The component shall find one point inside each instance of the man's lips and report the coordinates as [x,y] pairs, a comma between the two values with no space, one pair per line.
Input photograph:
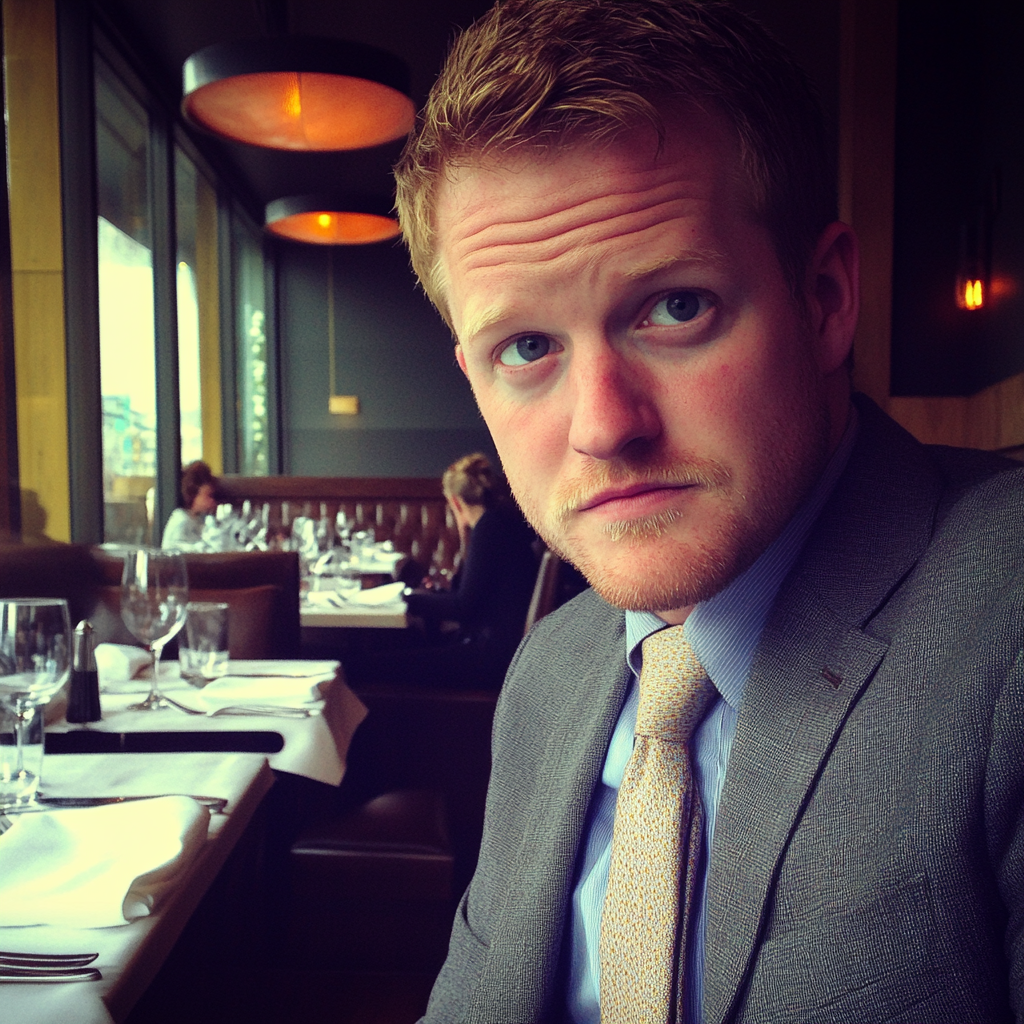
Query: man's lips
[632,498]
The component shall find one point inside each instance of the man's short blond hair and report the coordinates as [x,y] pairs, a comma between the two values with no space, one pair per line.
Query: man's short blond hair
[543,72]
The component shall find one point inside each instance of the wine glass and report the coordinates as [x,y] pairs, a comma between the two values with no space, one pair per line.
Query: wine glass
[154,596]
[35,662]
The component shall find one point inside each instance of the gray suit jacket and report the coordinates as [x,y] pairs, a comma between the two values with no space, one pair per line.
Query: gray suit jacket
[868,862]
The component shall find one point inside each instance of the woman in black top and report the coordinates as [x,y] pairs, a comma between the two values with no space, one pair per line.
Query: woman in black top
[488,598]
[491,591]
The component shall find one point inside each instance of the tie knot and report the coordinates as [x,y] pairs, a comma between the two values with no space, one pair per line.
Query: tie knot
[675,691]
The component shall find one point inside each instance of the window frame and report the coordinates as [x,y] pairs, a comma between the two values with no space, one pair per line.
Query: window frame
[83,33]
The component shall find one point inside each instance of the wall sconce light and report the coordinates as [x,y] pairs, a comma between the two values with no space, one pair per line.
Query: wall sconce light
[337,405]
[974,270]
[970,293]
[332,220]
[298,93]
[972,276]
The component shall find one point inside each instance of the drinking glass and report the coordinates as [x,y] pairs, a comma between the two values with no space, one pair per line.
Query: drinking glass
[154,596]
[35,662]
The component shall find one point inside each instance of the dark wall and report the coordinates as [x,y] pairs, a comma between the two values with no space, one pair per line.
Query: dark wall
[393,351]
[959,185]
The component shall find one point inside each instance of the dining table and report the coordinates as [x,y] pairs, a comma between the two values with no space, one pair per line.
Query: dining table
[379,607]
[354,616]
[130,954]
[313,742]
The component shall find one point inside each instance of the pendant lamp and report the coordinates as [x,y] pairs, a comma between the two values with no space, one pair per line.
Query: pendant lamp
[324,219]
[298,93]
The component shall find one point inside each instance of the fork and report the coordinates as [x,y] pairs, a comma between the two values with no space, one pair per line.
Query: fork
[44,960]
[48,967]
[270,710]
[41,975]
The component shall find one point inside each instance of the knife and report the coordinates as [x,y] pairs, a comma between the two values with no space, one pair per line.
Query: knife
[216,804]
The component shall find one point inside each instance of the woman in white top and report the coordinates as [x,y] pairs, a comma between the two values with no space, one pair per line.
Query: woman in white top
[184,529]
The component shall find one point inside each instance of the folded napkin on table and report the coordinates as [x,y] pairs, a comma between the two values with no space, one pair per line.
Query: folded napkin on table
[96,867]
[118,664]
[280,690]
[387,594]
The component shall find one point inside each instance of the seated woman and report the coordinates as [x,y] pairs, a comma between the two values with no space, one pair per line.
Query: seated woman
[488,598]
[184,529]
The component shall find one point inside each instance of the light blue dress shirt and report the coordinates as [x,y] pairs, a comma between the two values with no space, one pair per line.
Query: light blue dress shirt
[723,632]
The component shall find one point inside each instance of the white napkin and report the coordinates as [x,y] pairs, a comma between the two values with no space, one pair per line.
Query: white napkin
[324,599]
[389,593]
[377,559]
[118,664]
[281,690]
[326,669]
[96,867]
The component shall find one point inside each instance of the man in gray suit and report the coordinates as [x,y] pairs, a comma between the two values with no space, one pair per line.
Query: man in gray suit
[624,210]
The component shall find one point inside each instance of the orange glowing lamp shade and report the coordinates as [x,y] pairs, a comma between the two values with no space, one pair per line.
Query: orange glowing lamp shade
[298,94]
[320,220]
[970,293]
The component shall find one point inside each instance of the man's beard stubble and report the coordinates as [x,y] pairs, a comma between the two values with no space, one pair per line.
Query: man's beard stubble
[697,568]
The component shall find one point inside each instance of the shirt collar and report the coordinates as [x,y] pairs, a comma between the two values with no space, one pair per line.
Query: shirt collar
[723,630]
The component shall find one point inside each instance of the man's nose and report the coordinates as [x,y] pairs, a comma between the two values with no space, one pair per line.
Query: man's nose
[611,407]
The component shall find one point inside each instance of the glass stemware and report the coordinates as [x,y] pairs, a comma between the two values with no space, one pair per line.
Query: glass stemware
[35,662]
[154,596]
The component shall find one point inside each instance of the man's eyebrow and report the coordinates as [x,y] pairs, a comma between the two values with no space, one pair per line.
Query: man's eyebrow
[706,257]
[483,321]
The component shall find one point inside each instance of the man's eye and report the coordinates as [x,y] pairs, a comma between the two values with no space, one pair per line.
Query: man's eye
[526,349]
[677,308]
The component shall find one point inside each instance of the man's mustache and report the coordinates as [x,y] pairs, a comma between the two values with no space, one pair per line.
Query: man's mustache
[659,471]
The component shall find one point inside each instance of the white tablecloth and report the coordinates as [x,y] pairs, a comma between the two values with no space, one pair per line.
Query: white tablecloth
[355,616]
[315,747]
[122,958]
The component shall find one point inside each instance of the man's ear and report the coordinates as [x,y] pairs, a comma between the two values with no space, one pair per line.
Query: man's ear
[460,358]
[833,294]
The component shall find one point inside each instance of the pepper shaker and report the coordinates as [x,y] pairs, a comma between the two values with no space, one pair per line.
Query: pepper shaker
[84,697]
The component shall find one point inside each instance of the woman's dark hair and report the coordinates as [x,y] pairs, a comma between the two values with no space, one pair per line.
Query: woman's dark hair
[194,476]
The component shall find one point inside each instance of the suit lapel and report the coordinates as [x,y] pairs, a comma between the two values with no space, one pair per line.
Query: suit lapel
[814,660]
[578,720]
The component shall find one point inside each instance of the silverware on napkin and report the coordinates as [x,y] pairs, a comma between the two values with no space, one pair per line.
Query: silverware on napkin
[48,974]
[256,710]
[47,967]
[216,804]
[46,959]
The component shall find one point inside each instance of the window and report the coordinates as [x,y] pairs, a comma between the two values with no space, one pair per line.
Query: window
[252,351]
[184,344]
[127,331]
[198,325]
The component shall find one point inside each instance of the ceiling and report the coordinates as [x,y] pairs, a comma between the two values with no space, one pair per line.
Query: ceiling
[163,33]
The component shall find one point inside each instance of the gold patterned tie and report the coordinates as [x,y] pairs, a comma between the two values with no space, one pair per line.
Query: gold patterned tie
[656,842]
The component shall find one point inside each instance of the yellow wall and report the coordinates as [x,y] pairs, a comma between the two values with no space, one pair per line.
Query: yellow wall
[30,58]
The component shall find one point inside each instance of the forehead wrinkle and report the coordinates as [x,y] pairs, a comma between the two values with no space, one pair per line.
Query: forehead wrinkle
[559,242]
[572,200]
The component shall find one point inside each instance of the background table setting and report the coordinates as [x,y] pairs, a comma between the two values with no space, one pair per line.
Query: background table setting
[306,702]
[379,607]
